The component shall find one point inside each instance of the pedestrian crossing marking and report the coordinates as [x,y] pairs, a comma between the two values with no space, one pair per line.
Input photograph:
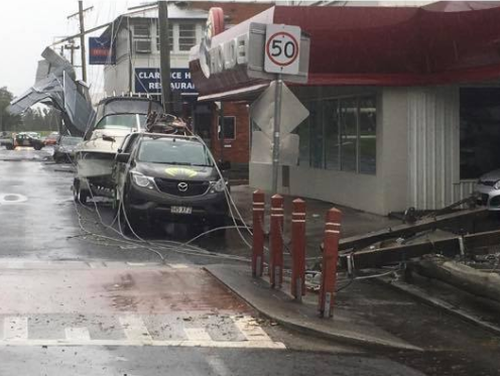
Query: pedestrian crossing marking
[250,328]
[15,328]
[156,343]
[178,266]
[197,334]
[77,334]
[135,329]
[134,332]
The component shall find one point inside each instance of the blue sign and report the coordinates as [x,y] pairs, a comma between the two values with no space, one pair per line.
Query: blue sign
[148,80]
[101,52]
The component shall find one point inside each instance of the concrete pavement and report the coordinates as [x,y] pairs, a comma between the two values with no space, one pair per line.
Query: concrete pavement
[346,327]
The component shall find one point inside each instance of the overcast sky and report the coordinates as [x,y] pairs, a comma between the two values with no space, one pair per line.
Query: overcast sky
[28,26]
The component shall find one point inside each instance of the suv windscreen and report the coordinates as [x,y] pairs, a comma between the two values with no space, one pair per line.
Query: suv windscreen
[122,121]
[174,152]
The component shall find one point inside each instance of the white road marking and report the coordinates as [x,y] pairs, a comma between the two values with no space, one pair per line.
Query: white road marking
[159,343]
[15,264]
[178,266]
[250,328]
[77,334]
[197,334]
[15,328]
[135,329]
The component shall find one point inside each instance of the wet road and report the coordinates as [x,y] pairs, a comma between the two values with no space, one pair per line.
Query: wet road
[78,299]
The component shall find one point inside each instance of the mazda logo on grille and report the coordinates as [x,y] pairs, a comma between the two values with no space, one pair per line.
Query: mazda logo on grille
[182,187]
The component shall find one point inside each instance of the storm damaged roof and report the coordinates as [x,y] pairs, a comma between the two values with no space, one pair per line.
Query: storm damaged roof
[56,86]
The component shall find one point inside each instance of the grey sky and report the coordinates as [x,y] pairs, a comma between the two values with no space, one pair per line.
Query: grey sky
[28,26]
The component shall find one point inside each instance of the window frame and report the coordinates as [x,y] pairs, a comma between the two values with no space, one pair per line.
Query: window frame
[219,130]
[322,116]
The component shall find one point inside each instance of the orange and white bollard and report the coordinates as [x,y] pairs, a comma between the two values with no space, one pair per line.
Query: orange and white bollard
[258,233]
[276,240]
[298,285]
[330,258]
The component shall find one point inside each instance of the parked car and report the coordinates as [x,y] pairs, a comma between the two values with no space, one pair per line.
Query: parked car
[28,139]
[64,150]
[487,190]
[51,139]
[168,178]
[7,140]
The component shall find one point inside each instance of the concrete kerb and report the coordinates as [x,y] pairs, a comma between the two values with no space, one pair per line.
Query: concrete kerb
[368,342]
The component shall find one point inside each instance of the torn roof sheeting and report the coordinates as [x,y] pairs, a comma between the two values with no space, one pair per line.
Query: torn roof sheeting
[55,83]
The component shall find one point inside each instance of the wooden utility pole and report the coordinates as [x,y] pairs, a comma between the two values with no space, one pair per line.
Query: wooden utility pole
[80,15]
[165,56]
[71,46]
[82,40]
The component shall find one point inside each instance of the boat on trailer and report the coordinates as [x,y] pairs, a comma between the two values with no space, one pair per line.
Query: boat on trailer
[94,157]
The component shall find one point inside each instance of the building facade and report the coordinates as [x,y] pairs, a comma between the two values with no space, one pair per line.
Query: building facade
[136,70]
[403,104]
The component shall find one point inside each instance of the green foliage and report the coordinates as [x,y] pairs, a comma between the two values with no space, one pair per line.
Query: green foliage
[40,119]
[35,119]
[8,122]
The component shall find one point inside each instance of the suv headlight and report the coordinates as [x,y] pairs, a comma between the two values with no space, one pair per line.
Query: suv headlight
[141,180]
[219,185]
[497,185]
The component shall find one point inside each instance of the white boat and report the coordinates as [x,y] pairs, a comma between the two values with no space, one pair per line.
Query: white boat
[116,118]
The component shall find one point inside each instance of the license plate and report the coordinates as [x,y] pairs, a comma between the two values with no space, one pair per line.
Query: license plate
[181,210]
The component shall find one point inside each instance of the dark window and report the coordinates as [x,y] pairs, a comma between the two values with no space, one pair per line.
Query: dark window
[340,134]
[187,36]
[479,131]
[229,128]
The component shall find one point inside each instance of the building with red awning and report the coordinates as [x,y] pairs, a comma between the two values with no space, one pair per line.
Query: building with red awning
[404,102]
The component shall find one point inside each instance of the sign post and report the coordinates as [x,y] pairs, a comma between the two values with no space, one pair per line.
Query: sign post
[282,51]
[276,134]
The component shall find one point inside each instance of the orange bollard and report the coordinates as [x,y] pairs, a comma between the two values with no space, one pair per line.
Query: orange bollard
[258,233]
[330,258]
[276,240]
[298,285]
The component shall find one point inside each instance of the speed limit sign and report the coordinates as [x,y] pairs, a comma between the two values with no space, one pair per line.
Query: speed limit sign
[282,49]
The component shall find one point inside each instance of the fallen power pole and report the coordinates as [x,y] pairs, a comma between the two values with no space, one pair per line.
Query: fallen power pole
[406,230]
[476,282]
[452,246]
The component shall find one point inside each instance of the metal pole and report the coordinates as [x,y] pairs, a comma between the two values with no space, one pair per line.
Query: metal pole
[276,133]
[165,56]
[222,131]
[82,40]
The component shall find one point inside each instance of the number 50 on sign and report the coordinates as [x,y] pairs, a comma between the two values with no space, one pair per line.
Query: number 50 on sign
[282,49]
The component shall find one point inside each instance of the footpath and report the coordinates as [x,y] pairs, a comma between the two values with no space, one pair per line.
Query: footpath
[366,312]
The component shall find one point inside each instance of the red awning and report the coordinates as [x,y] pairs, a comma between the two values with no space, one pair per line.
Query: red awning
[394,46]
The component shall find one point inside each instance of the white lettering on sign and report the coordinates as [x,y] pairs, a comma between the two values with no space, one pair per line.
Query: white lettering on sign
[224,56]
[282,49]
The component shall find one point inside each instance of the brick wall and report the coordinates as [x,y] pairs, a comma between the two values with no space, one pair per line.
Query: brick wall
[237,150]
